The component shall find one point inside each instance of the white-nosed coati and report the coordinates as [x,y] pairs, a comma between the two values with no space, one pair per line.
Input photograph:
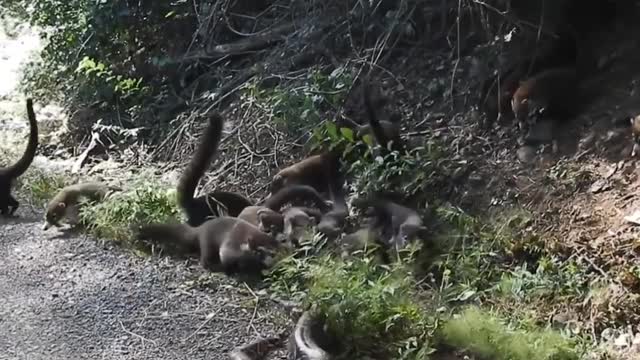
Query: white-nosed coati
[309,171]
[8,204]
[199,209]
[233,244]
[295,222]
[66,202]
[382,137]
[398,224]
[276,201]
[552,94]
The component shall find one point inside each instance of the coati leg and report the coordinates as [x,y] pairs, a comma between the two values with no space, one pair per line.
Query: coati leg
[8,204]
[199,209]
[66,202]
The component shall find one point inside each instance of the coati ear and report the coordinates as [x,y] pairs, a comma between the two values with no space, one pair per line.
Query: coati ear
[61,205]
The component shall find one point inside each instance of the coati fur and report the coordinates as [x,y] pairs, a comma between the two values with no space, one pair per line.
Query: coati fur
[382,137]
[552,94]
[333,222]
[399,224]
[295,222]
[9,204]
[215,203]
[311,340]
[309,171]
[229,243]
[635,134]
[66,201]
[276,201]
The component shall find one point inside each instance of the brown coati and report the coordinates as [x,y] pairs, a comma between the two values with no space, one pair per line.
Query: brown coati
[382,137]
[227,243]
[398,224]
[215,203]
[259,348]
[552,94]
[296,220]
[310,171]
[276,201]
[66,201]
[8,204]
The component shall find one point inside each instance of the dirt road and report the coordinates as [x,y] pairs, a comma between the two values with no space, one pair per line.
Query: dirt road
[71,298]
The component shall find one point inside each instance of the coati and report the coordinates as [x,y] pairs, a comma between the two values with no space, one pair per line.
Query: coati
[8,204]
[552,94]
[295,222]
[66,202]
[199,209]
[309,171]
[635,134]
[382,137]
[276,201]
[311,340]
[259,348]
[233,244]
[399,224]
[364,239]
[332,223]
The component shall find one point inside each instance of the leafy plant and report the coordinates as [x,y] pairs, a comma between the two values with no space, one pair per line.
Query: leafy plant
[114,217]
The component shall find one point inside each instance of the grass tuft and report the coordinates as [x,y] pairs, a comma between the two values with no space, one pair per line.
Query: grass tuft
[485,335]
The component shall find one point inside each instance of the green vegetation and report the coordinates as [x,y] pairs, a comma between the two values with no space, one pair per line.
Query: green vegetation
[142,203]
[485,335]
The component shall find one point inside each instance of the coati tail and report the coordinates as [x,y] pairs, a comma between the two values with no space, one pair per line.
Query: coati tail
[204,153]
[22,165]
[179,234]
[376,128]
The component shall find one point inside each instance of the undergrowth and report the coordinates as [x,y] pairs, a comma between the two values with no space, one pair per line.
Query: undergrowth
[487,336]
[117,215]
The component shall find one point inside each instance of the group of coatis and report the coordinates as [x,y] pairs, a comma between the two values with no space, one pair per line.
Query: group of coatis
[234,235]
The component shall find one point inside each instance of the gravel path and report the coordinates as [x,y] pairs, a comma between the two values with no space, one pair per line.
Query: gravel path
[72,298]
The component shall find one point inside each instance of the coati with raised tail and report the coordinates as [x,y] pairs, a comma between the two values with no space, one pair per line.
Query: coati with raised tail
[382,136]
[229,243]
[9,204]
[309,171]
[66,201]
[552,94]
[199,209]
